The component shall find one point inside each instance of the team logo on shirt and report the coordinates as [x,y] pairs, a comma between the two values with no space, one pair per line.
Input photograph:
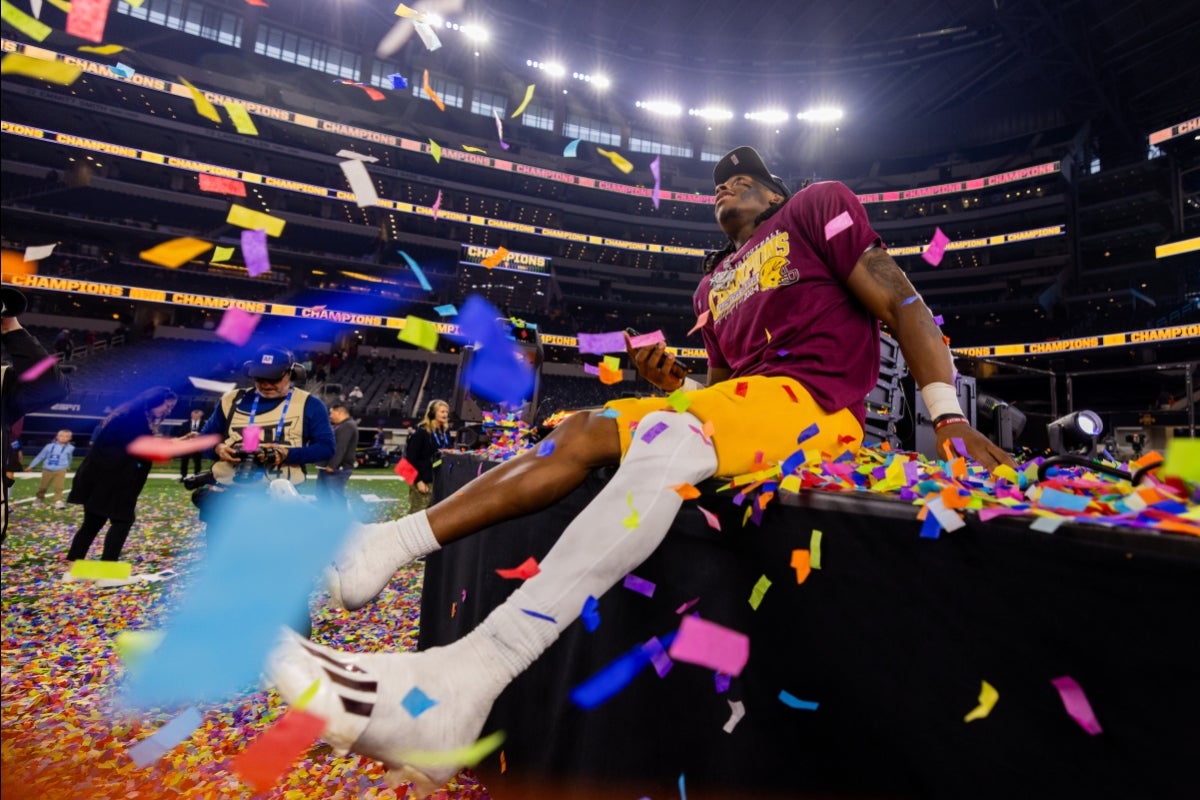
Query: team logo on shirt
[765,267]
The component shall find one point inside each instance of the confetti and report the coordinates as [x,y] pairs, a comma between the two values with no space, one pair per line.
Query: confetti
[499,129]
[221,185]
[937,248]
[419,333]
[590,614]
[58,72]
[526,570]
[33,28]
[99,570]
[435,150]
[802,563]
[203,106]
[759,591]
[417,702]
[398,81]
[701,321]
[437,205]
[467,756]
[618,160]
[737,710]
[495,259]
[788,699]
[251,437]
[814,549]
[987,701]
[652,432]
[838,224]
[429,37]
[161,449]
[571,149]
[640,585]
[1076,703]
[360,182]
[658,656]
[154,747]
[528,96]
[545,448]
[612,342]
[686,490]
[406,471]
[710,518]
[38,252]
[656,195]
[270,755]
[38,369]
[205,385]
[249,218]
[708,644]
[254,252]
[416,270]
[240,118]
[87,18]
[437,101]
[447,310]
[237,326]
[176,252]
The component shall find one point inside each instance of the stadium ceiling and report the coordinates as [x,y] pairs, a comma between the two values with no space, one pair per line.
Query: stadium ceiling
[946,70]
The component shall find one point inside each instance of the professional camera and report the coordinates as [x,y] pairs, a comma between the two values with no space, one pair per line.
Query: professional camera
[251,467]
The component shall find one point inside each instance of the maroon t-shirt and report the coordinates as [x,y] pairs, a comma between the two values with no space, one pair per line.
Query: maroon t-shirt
[779,305]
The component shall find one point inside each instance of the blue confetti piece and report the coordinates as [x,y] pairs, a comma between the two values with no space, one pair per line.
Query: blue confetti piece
[910,300]
[416,271]
[591,614]
[808,433]
[123,70]
[447,310]
[546,448]
[398,81]
[615,676]
[931,528]
[256,577]
[540,616]
[721,681]
[498,371]
[792,462]
[611,413]
[572,149]
[789,699]
[1053,498]
[417,702]
[162,741]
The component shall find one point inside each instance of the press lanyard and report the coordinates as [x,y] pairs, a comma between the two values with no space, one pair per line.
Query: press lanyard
[282,413]
[441,439]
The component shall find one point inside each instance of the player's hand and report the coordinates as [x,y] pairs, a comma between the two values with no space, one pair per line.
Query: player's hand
[656,365]
[979,447]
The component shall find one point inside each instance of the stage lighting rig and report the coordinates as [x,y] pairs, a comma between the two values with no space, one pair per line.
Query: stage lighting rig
[1077,432]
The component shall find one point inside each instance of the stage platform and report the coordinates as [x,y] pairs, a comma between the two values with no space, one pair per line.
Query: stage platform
[891,637]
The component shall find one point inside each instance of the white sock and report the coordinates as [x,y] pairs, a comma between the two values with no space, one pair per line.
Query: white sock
[597,549]
[372,554]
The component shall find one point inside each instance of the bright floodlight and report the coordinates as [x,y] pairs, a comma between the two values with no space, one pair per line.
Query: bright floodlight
[770,115]
[601,81]
[711,113]
[554,68]
[476,33]
[821,114]
[666,108]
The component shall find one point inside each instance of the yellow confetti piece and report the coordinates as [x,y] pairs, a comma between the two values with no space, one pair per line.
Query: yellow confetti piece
[760,589]
[801,562]
[987,700]
[203,107]
[814,549]
[755,477]
[57,72]
[176,252]
[473,149]
[408,13]
[525,102]
[791,484]
[307,696]
[437,101]
[679,400]
[101,49]
[435,150]
[1005,471]
[254,220]
[496,258]
[467,756]
[99,570]
[612,362]
[632,521]
[221,254]
[133,646]
[241,119]
[1182,459]
[768,335]
[619,161]
[419,333]
[62,5]
[33,28]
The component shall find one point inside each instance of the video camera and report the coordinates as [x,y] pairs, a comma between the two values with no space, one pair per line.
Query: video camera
[250,468]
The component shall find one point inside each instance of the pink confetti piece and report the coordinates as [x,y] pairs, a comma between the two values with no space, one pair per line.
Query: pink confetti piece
[524,571]
[237,325]
[611,342]
[87,19]
[655,170]
[639,585]
[711,645]
[251,437]
[161,449]
[437,205]
[710,518]
[254,251]
[684,608]
[646,339]
[1076,703]
[701,321]
[838,224]
[35,372]
[499,129]
[937,248]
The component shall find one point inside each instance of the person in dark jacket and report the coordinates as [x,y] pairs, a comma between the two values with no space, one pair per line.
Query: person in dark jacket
[110,480]
[334,473]
[20,394]
[422,449]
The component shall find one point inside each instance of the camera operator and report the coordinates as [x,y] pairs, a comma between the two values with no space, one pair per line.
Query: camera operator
[294,427]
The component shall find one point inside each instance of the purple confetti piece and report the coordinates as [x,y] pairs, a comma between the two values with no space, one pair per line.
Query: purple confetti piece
[545,448]
[808,433]
[35,372]
[911,300]
[591,369]
[652,434]
[655,170]
[254,252]
[600,343]
[499,129]
[939,320]
[639,585]
[658,656]
[782,353]
[959,445]
[464,595]
[721,681]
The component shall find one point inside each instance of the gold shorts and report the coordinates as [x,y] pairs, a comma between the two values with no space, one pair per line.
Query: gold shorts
[752,415]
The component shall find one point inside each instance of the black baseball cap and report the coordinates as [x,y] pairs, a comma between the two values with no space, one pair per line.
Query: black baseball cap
[747,161]
[270,363]
[12,302]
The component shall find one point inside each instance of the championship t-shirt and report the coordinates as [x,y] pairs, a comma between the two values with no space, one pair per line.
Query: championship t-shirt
[780,306]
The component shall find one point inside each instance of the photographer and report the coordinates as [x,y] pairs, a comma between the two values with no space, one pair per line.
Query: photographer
[294,428]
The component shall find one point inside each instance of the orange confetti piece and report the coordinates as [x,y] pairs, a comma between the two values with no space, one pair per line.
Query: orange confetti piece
[686,491]
[453,609]
[791,394]
[609,376]
[802,563]
[707,429]
[437,101]
[496,258]
[952,499]
[958,468]
[503,763]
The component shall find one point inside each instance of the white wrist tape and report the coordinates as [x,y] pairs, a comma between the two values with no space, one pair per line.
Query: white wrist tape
[941,398]
[690,385]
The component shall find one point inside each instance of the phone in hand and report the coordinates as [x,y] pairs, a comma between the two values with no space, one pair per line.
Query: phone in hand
[677,369]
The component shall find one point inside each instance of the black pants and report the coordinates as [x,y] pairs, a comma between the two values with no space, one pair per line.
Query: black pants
[114,540]
[196,460]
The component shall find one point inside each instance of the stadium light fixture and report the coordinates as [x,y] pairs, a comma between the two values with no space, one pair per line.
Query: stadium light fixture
[821,114]
[768,115]
[665,108]
[601,81]
[1077,432]
[711,113]
[475,33]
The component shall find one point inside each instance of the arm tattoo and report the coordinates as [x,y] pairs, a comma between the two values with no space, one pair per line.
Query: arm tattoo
[886,273]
